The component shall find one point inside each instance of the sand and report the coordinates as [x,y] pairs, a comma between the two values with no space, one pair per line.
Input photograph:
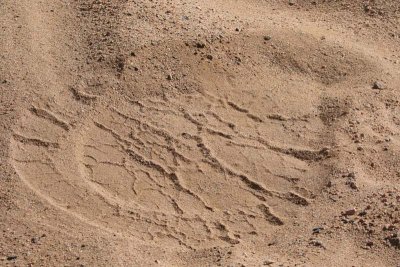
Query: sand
[200,133]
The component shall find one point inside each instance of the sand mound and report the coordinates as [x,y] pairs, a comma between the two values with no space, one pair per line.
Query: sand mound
[230,133]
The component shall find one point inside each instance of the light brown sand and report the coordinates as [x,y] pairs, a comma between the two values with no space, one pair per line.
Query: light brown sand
[199,133]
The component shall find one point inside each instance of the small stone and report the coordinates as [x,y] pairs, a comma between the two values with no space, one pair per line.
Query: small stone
[370,243]
[378,85]
[350,212]
[292,2]
[120,64]
[317,243]
[350,175]
[353,185]
[394,241]
[169,77]
[267,38]
[200,45]
[210,57]
[11,258]
[362,213]
[268,262]
[389,227]
[317,230]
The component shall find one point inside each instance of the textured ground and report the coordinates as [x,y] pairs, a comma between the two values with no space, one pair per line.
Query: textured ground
[200,133]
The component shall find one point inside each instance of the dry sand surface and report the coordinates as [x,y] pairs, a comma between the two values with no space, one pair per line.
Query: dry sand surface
[200,133]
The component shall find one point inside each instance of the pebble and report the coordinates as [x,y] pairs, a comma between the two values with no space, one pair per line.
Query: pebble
[362,213]
[317,230]
[268,262]
[378,85]
[350,212]
[350,175]
[317,243]
[267,38]
[10,258]
[394,240]
[200,45]
[353,185]
[388,227]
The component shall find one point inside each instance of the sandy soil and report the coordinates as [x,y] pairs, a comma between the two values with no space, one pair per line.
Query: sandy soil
[200,133]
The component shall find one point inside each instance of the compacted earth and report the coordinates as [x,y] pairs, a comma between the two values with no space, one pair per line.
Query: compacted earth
[200,133]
